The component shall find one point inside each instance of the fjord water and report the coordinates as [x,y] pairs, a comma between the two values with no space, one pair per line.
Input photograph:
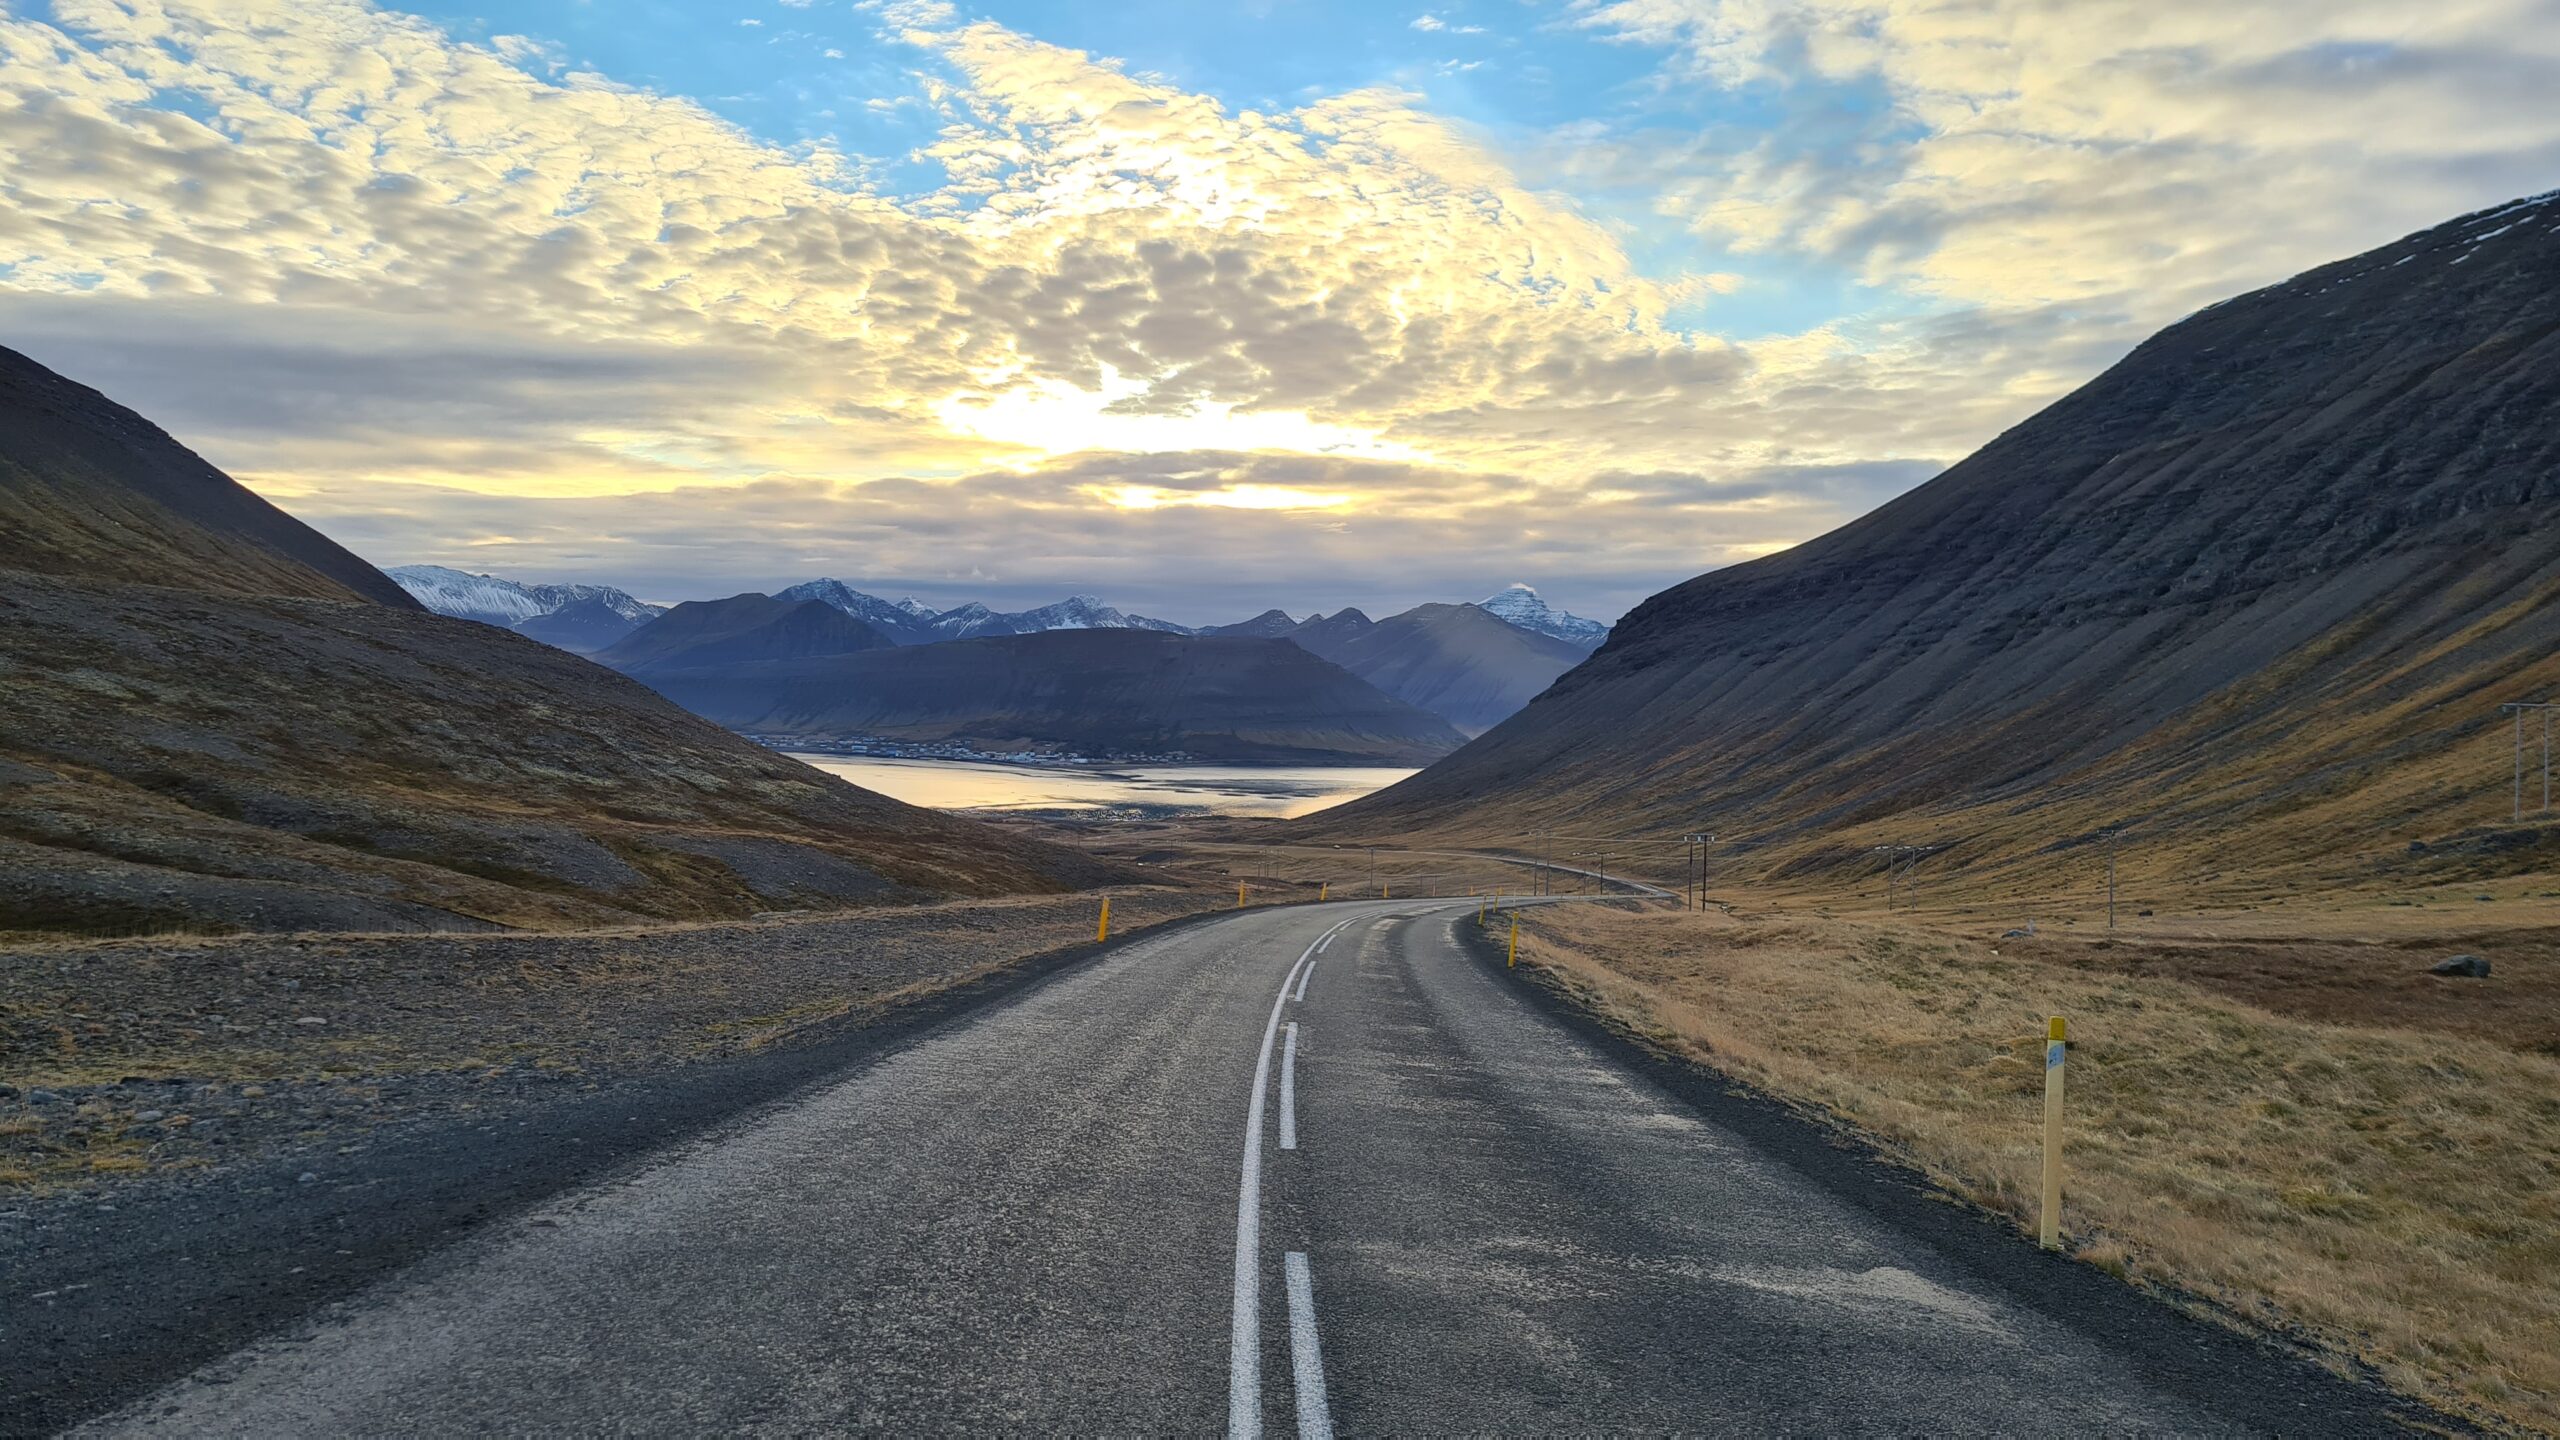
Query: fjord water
[1276,791]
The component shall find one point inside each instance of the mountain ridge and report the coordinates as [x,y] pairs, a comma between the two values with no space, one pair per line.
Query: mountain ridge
[1098,692]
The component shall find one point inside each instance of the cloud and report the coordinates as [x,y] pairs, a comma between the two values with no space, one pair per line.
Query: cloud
[2152,155]
[467,302]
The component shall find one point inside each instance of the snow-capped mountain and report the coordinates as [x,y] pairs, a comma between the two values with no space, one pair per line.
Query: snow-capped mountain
[507,603]
[1077,612]
[908,622]
[912,622]
[1520,605]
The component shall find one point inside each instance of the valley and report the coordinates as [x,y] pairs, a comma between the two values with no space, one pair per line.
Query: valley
[668,986]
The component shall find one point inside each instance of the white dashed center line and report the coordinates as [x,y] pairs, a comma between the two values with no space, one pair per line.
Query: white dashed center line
[1289,1090]
[1306,1355]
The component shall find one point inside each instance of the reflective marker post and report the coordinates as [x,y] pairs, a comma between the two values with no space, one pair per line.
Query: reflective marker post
[2054,1050]
[1102,931]
[1239,895]
[1514,958]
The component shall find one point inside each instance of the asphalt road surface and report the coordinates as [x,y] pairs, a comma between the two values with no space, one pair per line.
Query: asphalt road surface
[1315,1168]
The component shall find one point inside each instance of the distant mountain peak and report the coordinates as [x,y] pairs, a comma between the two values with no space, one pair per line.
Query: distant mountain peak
[891,618]
[1269,624]
[1520,605]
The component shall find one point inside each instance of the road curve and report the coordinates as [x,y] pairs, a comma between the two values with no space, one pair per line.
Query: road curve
[1307,1168]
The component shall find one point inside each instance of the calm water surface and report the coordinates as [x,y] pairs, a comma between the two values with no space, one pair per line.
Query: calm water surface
[1280,791]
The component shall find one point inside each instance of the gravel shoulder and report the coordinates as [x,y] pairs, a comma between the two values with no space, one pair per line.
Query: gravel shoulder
[187,1161]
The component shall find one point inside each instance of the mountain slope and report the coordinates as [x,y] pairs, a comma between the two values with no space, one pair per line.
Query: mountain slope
[90,490]
[739,629]
[581,627]
[250,746]
[1110,691]
[1456,661]
[1519,605]
[2255,592]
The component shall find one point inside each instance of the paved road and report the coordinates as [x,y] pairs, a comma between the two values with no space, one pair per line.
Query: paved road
[1308,1168]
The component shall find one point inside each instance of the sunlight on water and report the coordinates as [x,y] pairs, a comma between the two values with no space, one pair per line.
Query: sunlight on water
[1279,791]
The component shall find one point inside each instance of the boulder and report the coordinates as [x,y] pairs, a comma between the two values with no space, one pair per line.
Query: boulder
[2468,966]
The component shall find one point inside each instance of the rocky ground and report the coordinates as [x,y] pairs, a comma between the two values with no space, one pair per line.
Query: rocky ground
[163,1058]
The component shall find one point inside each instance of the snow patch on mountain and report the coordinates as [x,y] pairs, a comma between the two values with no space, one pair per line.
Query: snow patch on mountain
[493,601]
[1520,605]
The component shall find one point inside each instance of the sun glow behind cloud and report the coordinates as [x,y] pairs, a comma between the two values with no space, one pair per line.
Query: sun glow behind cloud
[1049,418]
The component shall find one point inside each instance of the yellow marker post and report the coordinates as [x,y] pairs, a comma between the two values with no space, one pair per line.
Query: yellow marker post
[1239,897]
[1382,890]
[1102,931]
[1324,890]
[1514,958]
[1480,903]
[2054,1050]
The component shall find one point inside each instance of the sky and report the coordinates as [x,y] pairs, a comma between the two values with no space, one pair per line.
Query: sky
[1200,309]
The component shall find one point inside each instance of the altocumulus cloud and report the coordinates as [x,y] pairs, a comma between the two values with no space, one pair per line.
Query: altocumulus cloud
[471,304]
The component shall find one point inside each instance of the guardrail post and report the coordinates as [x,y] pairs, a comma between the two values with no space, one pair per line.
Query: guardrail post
[2055,1048]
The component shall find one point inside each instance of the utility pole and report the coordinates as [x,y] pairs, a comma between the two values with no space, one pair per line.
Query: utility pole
[1901,859]
[2517,709]
[2110,838]
[1699,840]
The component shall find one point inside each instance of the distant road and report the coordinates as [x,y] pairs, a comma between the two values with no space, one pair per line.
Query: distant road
[1312,1168]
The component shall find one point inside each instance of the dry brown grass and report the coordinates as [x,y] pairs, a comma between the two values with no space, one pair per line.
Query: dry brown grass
[2392,1193]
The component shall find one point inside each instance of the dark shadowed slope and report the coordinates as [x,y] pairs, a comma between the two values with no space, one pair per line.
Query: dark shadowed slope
[90,490]
[740,629]
[1456,661]
[2257,591]
[1091,691]
[246,745]
[581,627]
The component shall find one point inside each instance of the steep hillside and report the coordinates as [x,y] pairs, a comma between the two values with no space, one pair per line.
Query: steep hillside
[89,490]
[249,745]
[2256,593]
[737,630]
[1085,691]
[1456,661]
